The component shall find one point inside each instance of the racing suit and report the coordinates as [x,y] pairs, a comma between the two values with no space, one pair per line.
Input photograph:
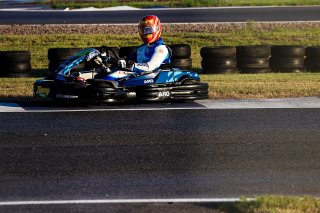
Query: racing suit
[149,58]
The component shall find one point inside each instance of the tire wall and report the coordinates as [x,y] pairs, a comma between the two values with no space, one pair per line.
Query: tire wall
[260,59]
[218,60]
[15,64]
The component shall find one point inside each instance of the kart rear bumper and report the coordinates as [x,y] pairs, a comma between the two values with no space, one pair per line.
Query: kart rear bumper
[101,94]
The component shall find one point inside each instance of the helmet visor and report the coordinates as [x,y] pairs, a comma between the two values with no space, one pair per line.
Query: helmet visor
[149,30]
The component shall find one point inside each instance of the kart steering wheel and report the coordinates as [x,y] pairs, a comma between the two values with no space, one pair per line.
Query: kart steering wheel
[105,49]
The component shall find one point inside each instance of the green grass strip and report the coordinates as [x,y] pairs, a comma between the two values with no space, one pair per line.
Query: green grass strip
[251,35]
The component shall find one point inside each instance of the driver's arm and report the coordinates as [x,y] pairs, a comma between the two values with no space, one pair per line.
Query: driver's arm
[160,55]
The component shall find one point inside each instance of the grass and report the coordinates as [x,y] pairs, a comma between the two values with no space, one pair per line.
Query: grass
[180,3]
[276,204]
[274,85]
[251,35]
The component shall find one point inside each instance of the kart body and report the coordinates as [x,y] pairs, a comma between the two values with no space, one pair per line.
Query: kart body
[112,85]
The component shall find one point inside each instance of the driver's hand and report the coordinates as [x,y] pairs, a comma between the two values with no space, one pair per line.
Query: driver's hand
[98,60]
[122,63]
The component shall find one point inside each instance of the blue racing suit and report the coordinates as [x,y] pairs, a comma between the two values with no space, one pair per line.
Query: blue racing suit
[150,57]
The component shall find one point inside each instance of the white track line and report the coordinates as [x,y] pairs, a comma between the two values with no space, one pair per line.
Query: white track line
[286,103]
[114,201]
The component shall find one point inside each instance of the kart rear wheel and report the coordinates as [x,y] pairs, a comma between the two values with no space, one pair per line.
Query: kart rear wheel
[103,91]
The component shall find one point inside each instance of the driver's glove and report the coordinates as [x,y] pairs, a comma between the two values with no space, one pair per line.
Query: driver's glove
[98,60]
[122,64]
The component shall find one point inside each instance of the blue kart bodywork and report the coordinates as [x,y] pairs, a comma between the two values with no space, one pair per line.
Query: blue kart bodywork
[110,84]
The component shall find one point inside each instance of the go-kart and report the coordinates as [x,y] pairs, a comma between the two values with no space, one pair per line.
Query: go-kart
[106,83]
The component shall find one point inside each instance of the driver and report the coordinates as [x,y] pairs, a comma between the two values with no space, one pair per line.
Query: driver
[153,53]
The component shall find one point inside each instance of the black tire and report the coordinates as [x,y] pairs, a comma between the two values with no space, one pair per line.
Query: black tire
[312,64]
[287,51]
[179,63]
[14,56]
[21,69]
[61,54]
[257,51]
[285,64]
[218,52]
[243,63]
[127,51]
[182,51]
[313,51]
[219,63]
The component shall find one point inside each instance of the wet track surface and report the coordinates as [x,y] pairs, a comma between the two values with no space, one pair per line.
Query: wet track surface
[305,13]
[199,153]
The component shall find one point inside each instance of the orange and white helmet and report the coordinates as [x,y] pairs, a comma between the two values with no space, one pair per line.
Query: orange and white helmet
[150,29]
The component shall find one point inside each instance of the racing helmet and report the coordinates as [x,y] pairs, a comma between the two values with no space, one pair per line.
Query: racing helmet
[150,29]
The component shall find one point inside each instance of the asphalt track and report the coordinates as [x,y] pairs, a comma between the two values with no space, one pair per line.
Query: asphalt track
[194,151]
[237,14]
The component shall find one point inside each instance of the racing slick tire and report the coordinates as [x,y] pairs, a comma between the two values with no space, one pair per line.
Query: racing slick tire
[103,91]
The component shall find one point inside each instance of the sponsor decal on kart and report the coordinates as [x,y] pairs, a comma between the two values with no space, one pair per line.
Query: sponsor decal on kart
[42,92]
[164,94]
[148,81]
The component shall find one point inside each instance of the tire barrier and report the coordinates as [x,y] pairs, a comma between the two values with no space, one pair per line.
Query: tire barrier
[181,57]
[218,60]
[15,64]
[127,51]
[287,58]
[312,62]
[253,59]
[57,56]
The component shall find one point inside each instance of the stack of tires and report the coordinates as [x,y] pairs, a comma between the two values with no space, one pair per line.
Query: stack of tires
[181,57]
[218,60]
[15,63]
[253,59]
[127,52]
[287,58]
[57,56]
[312,60]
